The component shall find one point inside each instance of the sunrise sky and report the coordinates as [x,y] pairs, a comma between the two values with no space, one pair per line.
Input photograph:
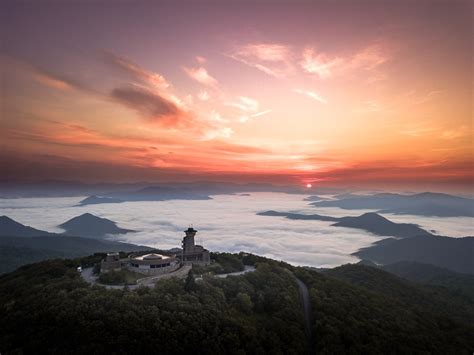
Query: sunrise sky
[320,92]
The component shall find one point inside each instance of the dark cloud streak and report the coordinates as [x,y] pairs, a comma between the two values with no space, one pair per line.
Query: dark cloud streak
[149,104]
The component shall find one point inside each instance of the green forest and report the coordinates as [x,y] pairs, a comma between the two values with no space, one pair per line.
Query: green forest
[48,308]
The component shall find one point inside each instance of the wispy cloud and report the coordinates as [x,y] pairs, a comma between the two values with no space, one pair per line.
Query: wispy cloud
[43,76]
[204,96]
[266,52]
[261,113]
[369,57]
[149,104]
[138,73]
[248,107]
[201,75]
[311,95]
[325,66]
[270,58]
[319,64]
[216,117]
[428,97]
[245,104]
[52,82]
[460,132]
[211,134]
[200,59]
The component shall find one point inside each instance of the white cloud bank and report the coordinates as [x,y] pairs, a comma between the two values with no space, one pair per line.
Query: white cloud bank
[228,223]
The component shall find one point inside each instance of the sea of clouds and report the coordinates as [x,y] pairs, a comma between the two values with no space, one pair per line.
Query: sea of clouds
[229,223]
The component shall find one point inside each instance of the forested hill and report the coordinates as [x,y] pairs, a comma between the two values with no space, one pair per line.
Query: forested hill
[443,301]
[48,308]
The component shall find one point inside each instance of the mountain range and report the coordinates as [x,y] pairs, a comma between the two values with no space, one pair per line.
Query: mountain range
[456,254]
[423,204]
[57,188]
[85,225]
[20,244]
[412,243]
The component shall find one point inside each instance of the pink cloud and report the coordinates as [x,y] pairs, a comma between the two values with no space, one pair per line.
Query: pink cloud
[311,95]
[150,105]
[204,96]
[319,64]
[201,75]
[154,79]
[367,59]
[200,60]
[272,59]
[266,52]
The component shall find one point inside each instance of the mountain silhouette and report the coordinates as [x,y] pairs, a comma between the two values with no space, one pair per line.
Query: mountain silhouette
[95,200]
[422,204]
[88,225]
[379,225]
[314,198]
[371,222]
[455,254]
[11,228]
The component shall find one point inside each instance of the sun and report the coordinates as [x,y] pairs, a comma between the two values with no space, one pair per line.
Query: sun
[309,186]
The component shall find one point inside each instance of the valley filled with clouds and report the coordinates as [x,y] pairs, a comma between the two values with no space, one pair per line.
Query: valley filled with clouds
[229,223]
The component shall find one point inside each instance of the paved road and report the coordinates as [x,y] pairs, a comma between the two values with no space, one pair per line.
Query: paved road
[88,276]
[308,315]
[246,269]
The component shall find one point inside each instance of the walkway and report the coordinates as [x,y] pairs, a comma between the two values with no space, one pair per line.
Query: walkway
[150,281]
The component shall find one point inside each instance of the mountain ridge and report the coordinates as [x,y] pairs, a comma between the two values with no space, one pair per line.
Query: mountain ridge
[10,227]
[89,225]
[370,221]
[423,204]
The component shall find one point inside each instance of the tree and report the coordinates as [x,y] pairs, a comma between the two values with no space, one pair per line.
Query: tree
[190,284]
[244,302]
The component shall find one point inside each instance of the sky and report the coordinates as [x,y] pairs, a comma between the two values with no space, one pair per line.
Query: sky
[368,93]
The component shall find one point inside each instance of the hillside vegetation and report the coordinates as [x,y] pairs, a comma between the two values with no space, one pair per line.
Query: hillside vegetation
[47,307]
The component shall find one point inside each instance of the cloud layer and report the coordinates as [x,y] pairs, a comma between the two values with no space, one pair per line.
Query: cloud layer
[228,223]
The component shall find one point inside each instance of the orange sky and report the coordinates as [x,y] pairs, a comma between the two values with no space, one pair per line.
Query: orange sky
[329,93]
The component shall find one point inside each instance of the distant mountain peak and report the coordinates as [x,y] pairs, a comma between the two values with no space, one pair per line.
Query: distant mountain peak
[95,200]
[89,225]
[373,216]
[6,219]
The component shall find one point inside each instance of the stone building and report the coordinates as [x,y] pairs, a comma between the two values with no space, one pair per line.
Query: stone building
[111,262]
[152,264]
[193,254]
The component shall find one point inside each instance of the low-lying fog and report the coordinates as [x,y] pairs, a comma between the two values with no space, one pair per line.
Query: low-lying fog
[229,223]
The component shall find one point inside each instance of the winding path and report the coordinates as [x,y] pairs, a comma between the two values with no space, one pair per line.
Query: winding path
[149,281]
[308,315]
[247,268]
